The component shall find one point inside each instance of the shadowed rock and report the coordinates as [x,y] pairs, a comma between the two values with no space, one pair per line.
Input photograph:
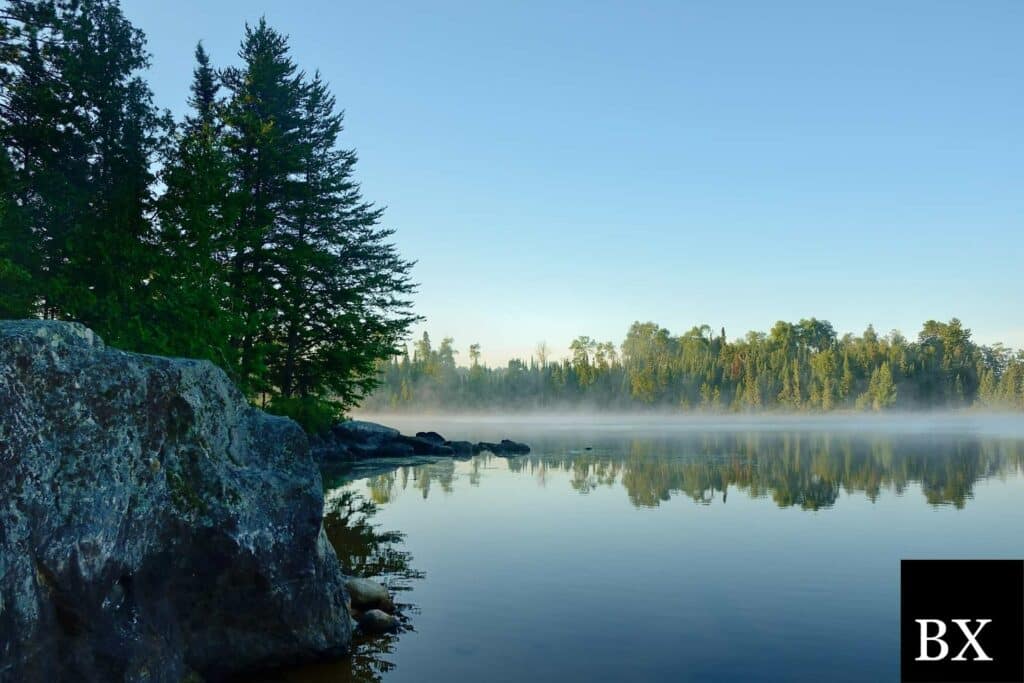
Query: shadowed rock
[431,436]
[504,448]
[377,621]
[462,448]
[356,440]
[359,440]
[152,523]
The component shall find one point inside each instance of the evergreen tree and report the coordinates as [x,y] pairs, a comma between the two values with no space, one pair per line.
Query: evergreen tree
[847,380]
[320,292]
[17,295]
[343,283]
[882,390]
[190,312]
[81,133]
[263,134]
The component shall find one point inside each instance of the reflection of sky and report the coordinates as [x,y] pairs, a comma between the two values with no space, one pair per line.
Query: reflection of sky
[527,579]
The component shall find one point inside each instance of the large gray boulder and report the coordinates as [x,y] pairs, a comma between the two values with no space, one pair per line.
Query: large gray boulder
[152,524]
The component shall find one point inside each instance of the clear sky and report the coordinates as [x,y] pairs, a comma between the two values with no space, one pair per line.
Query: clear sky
[566,168]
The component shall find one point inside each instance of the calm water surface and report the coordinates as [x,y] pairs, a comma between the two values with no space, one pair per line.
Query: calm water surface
[619,551]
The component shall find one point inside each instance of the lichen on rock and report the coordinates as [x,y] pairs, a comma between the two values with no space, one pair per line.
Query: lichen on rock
[153,525]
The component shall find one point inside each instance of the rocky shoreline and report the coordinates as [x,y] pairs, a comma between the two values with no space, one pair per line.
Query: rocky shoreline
[156,527]
[356,440]
[357,449]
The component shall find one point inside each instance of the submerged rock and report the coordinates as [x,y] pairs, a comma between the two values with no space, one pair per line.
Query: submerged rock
[377,621]
[152,523]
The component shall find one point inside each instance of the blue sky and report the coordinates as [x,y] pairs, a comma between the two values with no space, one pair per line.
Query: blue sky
[566,168]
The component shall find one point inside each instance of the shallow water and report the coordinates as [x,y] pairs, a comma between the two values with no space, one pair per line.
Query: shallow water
[635,552]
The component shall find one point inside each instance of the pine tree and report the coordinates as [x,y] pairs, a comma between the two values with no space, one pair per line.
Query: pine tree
[826,394]
[190,312]
[360,311]
[322,293]
[17,295]
[987,387]
[81,133]
[882,390]
[847,380]
[46,150]
[785,396]
[263,127]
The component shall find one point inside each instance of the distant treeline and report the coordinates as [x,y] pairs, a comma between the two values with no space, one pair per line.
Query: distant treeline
[238,234]
[800,366]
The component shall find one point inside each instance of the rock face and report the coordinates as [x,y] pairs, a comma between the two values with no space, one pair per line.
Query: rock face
[152,524]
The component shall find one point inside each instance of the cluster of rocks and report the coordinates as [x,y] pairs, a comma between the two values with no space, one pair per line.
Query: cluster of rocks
[359,440]
[372,609]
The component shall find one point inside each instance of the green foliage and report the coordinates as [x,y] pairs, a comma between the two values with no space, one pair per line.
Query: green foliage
[81,134]
[794,367]
[16,295]
[254,247]
[314,414]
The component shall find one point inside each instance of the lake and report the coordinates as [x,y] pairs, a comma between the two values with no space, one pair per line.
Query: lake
[646,549]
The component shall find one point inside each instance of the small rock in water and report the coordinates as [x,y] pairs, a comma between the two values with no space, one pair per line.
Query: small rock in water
[377,621]
[510,446]
[366,593]
[505,448]
[431,436]
[460,447]
[426,446]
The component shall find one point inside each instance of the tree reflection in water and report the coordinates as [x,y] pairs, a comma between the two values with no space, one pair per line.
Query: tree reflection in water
[363,550]
[806,470]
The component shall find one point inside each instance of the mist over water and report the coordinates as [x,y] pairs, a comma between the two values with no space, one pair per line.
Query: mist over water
[466,425]
[712,548]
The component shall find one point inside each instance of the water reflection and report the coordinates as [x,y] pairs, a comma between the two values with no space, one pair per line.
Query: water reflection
[491,530]
[363,549]
[805,470]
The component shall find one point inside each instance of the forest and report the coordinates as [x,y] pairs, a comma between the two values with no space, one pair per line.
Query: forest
[237,234]
[803,366]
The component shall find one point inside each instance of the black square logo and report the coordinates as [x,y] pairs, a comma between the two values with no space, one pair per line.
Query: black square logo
[962,620]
